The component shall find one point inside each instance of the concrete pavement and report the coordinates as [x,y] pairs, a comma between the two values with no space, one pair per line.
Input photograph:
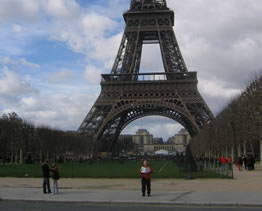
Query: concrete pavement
[242,199]
[244,190]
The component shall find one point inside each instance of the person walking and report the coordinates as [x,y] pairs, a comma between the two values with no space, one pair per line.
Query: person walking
[229,162]
[55,177]
[146,172]
[46,183]
[245,161]
[252,162]
[249,163]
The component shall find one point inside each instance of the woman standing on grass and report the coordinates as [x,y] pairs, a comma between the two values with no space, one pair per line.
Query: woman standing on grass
[55,177]
[146,171]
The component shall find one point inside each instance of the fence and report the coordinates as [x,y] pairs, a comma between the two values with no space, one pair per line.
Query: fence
[219,168]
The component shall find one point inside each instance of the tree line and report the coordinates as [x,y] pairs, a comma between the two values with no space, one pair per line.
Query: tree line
[22,142]
[236,130]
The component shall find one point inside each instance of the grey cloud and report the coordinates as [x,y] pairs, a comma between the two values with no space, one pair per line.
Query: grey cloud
[12,84]
[58,110]
[62,76]
[23,10]
[220,38]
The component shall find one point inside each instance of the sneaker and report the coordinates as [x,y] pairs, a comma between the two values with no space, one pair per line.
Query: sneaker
[143,194]
[148,194]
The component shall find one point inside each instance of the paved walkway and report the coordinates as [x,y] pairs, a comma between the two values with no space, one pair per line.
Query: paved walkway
[244,190]
[253,199]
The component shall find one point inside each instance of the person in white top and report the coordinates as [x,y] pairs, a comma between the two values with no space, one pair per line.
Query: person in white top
[146,171]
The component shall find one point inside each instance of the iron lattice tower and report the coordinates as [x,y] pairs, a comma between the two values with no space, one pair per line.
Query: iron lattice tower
[127,95]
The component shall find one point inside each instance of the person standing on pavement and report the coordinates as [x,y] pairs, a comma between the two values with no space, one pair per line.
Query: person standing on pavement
[146,172]
[229,162]
[46,183]
[55,177]
[245,161]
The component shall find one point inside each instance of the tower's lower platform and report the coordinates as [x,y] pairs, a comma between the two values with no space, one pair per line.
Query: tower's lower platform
[127,97]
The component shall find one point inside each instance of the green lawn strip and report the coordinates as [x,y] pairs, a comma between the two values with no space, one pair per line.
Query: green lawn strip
[17,170]
[101,169]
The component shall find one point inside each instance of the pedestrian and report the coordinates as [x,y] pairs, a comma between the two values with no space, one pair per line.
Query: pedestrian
[249,163]
[46,183]
[223,160]
[146,172]
[245,161]
[229,162]
[252,162]
[239,163]
[55,177]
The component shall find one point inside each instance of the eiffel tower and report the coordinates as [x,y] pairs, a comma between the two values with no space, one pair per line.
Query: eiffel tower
[127,95]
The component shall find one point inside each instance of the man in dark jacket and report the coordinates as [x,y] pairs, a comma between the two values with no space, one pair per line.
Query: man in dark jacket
[46,183]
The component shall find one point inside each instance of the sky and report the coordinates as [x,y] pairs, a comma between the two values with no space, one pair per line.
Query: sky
[52,53]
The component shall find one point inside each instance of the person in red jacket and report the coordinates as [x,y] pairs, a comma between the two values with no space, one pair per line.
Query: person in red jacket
[146,171]
[223,160]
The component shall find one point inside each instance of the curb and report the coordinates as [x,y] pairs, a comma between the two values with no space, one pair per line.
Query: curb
[163,203]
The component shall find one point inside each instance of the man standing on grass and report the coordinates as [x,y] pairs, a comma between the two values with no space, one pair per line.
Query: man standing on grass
[146,171]
[46,183]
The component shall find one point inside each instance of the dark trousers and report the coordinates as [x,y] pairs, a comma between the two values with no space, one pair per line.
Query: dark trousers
[146,185]
[46,184]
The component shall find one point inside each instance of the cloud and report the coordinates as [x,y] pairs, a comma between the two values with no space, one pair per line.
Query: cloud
[26,63]
[64,9]
[151,59]
[58,110]
[62,76]
[33,11]
[217,93]
[22,10]
[5,60]
[17,28]
[12,88]
[12,84]
[95,25]
[18,39]
[89,35]
[105,50]
[220,40]
[92,74]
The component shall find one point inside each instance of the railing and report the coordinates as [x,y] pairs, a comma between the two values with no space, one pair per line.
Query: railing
[187,76]
[147,4]
[219,168]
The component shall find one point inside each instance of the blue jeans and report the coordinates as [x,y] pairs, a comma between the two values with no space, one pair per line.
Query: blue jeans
[55,187]
[46,184]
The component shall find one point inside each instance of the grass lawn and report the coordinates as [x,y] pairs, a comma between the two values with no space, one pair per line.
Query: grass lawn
[100,169]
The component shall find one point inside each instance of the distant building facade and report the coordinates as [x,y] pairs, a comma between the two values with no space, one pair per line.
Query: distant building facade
[126,139]
[145,143]
[180,140]
[142,137]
